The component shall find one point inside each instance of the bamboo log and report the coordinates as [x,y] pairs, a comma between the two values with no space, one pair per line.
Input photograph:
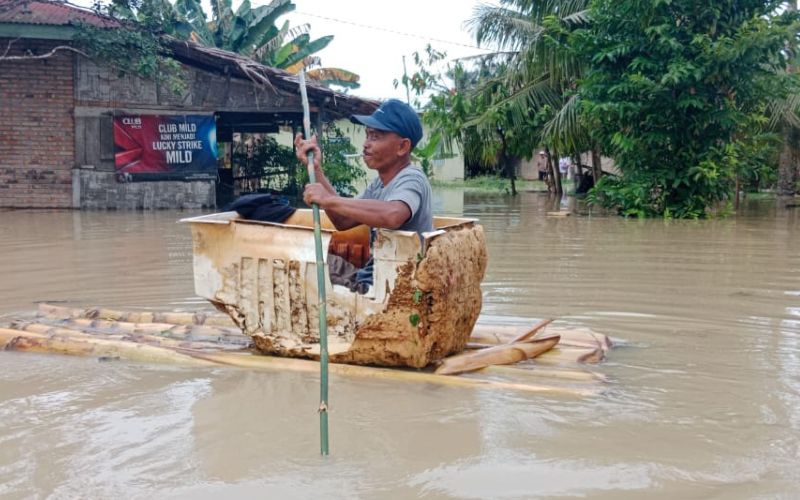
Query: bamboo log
[175,318]
[482,333]
[561,354]
[86,345]
[45,329]
[535,370]
[498,355]
[303,365]
[575,337]
[533,331]
[570,355]
[179,331]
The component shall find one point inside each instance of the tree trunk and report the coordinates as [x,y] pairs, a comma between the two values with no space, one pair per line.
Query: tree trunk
[578,174]
[788,170]
[559,189]
[787,163]
[550,177]
[508,165]
[597,167]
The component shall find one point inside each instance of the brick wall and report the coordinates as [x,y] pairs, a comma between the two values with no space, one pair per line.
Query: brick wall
[100,190]
[36,127]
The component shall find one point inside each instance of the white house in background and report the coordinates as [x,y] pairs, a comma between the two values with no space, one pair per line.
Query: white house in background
[444,169]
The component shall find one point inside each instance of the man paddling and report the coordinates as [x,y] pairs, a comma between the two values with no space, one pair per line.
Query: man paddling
[399,198]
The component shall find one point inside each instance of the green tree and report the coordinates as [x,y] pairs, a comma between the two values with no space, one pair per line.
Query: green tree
[678,90]
[340,164]
[465,106]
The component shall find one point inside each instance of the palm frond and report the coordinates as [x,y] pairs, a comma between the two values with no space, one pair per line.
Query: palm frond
[565,130]
[784,111]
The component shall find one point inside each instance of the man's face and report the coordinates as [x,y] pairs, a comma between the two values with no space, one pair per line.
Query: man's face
[383,149]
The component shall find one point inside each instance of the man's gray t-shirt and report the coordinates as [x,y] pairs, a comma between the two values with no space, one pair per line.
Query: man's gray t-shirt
[410,186]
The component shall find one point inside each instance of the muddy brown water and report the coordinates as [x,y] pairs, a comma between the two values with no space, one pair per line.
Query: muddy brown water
[704,400]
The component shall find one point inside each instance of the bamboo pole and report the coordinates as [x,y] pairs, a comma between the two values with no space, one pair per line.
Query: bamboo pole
[322,303]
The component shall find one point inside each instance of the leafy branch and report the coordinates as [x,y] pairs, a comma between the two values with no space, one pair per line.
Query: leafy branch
[30,56]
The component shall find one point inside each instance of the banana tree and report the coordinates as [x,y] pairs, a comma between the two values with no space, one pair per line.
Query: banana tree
[253,32]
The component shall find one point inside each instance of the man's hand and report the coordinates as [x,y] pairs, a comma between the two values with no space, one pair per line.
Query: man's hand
[316,193]
[302,148]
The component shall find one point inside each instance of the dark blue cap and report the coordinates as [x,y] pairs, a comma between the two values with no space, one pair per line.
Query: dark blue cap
[394,116]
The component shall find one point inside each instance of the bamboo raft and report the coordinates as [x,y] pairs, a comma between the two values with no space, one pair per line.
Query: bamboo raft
[418,322]
[209,339]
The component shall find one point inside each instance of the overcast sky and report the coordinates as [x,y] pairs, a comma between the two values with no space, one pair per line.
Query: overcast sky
[367,40]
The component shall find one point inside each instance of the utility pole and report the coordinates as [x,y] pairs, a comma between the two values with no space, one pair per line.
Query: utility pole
[405,81]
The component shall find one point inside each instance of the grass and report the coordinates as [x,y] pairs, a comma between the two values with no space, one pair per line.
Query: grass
[490,184]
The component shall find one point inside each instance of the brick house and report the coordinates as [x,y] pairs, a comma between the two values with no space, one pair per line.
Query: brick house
[57,148]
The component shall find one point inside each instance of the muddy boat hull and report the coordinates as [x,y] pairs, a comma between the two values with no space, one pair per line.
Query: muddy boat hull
[422,307]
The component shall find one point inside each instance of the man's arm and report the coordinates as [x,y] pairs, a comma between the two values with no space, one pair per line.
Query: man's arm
[374,213]
[350,212]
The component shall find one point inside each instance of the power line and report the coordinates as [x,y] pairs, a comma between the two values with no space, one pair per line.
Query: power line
[386,30]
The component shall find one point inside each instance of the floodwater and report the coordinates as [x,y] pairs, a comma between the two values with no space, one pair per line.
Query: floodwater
[704,399]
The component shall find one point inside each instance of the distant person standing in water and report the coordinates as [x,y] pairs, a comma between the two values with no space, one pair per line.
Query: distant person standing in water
[563,166]
[541,165]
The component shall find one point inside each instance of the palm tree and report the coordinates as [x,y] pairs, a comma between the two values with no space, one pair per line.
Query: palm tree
[784,113]
[540,73]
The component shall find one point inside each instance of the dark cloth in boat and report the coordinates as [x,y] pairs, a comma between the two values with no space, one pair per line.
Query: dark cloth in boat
[261,206]
[344,273]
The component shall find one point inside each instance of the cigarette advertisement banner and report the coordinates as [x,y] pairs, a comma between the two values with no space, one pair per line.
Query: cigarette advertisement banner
[161,147]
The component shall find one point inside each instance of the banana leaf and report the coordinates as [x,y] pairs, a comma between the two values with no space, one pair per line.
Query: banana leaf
[306,50]
[263,21]
[335,76]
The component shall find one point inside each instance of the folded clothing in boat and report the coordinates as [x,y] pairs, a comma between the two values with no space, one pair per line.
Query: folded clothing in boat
[261,206]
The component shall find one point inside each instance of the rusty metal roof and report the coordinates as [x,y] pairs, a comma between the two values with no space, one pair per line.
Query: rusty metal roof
[52,13]
[335,103]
